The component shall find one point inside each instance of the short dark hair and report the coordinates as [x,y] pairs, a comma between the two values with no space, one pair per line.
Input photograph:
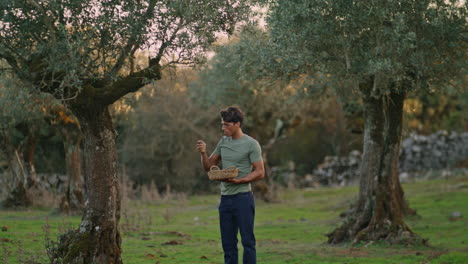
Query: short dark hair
[232,114]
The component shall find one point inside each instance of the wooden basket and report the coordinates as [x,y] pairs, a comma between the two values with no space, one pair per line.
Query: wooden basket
[216,173]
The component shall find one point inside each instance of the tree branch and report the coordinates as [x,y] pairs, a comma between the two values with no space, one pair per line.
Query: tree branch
[12,62]
[132,44]
[46,18]
[167,43]
[130,83]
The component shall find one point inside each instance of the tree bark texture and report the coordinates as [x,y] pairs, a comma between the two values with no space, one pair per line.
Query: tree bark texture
[97,240]
[264,189]
[18,196]
[28,155]
[22,169]
[378,214]
[394,117]
[73,199]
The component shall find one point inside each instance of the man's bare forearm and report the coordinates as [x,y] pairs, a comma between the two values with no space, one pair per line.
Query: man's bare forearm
[253,176]
[205,161]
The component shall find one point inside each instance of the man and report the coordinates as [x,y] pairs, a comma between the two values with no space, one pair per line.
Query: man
[237,207]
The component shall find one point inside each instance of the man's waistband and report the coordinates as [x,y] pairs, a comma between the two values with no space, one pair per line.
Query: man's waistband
[236,194]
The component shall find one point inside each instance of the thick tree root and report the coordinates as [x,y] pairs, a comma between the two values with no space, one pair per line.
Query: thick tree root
[18,197]
[84,246]
[72,202]
[356,230]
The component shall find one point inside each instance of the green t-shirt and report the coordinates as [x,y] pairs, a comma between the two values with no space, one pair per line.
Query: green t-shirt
[241,153]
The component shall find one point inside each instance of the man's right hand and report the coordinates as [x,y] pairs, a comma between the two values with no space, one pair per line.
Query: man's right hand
[207,162]
[201,146]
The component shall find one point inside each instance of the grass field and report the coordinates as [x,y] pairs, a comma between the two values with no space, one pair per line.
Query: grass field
[291,231]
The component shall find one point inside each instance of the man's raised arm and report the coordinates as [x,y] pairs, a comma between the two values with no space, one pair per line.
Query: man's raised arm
[206,161]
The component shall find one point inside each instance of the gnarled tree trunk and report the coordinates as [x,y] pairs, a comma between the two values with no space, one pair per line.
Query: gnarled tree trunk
[97,239]
[28,156]
[387,221]
[264,189]
[73,199]
[361,215]
[22,170]
[18,196]
[378,214]
[394,117]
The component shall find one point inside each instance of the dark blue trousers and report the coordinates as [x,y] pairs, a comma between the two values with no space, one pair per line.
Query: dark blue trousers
[237,212]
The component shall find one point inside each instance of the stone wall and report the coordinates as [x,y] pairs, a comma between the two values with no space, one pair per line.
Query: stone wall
[418,154]
[338,170]
[441,150]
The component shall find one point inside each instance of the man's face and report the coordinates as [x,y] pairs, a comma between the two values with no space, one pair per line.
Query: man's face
[229,128]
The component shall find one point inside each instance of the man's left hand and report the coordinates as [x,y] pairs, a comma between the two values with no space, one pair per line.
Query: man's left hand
[234,181]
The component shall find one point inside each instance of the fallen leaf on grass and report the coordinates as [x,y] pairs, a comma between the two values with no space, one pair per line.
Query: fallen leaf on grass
[172,242]
[150,256]
[178,234]
[203,257]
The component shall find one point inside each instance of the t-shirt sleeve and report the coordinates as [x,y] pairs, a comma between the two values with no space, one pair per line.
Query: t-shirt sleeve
[217,150]
[255,153]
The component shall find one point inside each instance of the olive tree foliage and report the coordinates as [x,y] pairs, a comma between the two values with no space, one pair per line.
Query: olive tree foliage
[82,52]
[16,107]
[62,46]
[235,76]
[380,50]
[397,44]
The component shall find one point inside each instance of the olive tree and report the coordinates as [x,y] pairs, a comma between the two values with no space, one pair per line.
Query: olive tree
[381,50]
[82,52]
[26,117]
[21,123]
